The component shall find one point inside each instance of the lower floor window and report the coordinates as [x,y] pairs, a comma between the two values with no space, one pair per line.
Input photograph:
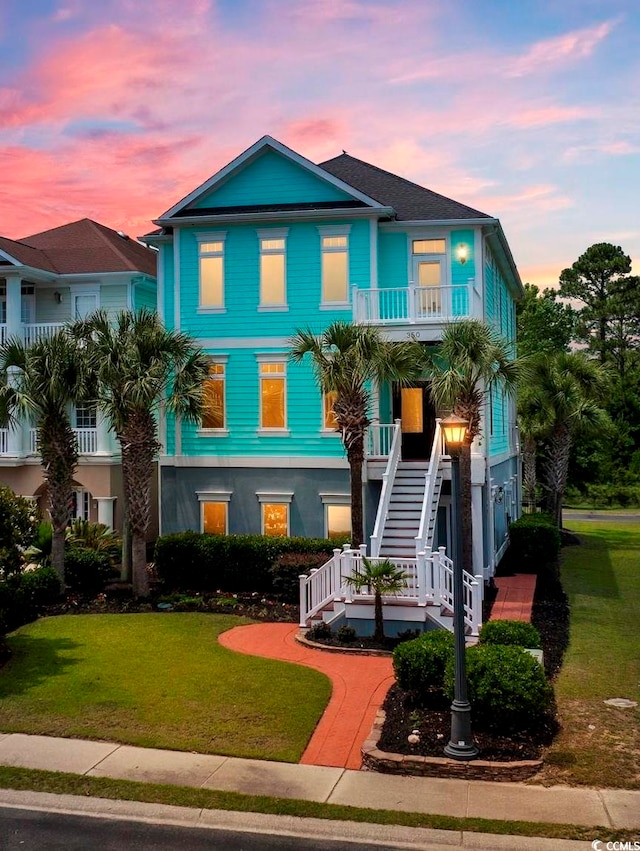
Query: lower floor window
[275,518]
[214,518]
[337,520]
[80,505]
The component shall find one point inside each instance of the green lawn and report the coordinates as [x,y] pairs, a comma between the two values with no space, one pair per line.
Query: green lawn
[157,680]
[600,745]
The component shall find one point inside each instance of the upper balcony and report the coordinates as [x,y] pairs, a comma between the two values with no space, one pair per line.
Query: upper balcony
[417,311]
[32,332]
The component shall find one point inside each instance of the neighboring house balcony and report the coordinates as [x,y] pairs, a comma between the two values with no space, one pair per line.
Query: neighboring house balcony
[22,443]
[414,308]
[31,332]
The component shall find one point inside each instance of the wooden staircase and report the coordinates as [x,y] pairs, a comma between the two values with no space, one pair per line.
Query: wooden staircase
[405,510]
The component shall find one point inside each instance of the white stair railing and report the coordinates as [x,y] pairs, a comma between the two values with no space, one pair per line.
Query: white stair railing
[387,486]
[319,587]
[379,439]
[472,590]
[429,504]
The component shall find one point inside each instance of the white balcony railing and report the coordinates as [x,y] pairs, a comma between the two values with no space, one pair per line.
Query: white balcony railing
[34,332]
[411,305]
[86,438]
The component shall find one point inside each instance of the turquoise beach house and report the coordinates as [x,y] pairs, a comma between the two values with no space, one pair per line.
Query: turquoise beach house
[273,243]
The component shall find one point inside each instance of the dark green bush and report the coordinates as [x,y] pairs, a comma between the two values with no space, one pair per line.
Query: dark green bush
[192,561]
[507,687]
[534,542]
[87,571]
[510,632]
[346,634]
[42,584]
[286,572]
[319,631]
[419,665]
[16,604]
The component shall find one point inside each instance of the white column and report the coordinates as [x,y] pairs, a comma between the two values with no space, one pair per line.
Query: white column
[105,510]
[478,528]
[14,306]
[16,430]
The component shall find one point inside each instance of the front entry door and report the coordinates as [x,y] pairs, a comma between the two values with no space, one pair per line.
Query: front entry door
[413,407]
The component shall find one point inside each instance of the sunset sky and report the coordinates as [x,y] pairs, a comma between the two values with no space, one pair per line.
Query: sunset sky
[528,110]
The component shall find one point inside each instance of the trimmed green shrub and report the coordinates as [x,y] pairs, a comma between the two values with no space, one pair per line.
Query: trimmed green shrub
[16,604]
[87,571]
[346,634]
[42,584]
[510,632]
[419,665]
[534,542]
[507,687]
[192,561]
[319,631]
[285,573]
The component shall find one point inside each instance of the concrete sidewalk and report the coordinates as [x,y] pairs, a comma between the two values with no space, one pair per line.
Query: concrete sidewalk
[608,808]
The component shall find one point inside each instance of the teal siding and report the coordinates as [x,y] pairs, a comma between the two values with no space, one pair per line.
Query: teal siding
[168,298]
[271,179]
[304,415]
[144,297]
[460,273]
[242,316]
[393,261]
[500,309]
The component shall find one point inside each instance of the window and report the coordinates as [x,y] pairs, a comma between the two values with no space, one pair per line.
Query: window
[428,263]
[86,416]
[337,514]
[3,305]
[211,258]
[272,268]
[273,395]
[329,422]
[214,511]
[275,513]
[80,505]
[429,246]
[27,304]
[334,243]
[213,398]
[84,304]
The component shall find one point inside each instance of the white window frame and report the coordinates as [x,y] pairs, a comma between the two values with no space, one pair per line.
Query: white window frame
[79,291]
[222,360]
[82,505]
[268,234]
[329,231]
[329,499]
[214,496]
[85,406]
[202,238]
[277,357]
[275,498]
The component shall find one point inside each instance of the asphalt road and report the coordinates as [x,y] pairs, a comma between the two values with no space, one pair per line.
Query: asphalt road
[31,830]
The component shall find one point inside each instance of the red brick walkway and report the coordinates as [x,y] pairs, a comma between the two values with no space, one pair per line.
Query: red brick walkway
[360,684]
[514,600]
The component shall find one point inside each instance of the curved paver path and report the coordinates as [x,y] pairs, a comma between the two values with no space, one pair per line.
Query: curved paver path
[360,684]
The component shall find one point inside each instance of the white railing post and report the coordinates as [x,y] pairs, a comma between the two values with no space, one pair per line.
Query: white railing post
[303,598]
[421,571]
[337,578]
[411,303]
[442,580]
[435,574]
[478,596]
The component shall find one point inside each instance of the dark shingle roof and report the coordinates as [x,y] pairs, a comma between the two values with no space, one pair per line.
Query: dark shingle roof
[410,201]
[82,246]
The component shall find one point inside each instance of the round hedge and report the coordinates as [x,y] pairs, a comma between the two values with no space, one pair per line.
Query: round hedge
[419,665]
[520,633]
[507,687]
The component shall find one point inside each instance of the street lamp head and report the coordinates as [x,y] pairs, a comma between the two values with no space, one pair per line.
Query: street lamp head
[455,431]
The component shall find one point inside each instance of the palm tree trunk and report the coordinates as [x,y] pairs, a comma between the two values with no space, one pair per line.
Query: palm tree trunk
[466,545]
[57,553]
[529,472]
[355,456]
[556,469]
[140,575]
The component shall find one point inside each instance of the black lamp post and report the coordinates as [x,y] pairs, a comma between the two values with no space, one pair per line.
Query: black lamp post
[461,744]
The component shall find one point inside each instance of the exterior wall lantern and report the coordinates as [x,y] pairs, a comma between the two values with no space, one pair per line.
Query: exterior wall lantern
[462,253]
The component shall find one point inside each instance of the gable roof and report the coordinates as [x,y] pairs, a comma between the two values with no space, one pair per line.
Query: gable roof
[410,201]
[184,209]
[85,246]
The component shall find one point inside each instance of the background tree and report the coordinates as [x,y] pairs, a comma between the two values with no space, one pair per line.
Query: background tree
[18,526]
[41,382]
[138,363]
[600,279]
[346,360]
[544,323]
[564,392]
[470,361]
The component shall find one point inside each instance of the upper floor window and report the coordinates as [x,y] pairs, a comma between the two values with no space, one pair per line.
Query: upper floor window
[213,397]
[329,422]
[429,246]
[334,244]
[211,268]
[273,394]
[86,416]
[273,263]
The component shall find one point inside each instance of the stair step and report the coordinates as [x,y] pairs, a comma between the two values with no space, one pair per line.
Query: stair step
[405,497]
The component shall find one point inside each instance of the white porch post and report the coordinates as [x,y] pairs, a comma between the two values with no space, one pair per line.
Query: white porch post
[478,528]
[105,510]
[14,306]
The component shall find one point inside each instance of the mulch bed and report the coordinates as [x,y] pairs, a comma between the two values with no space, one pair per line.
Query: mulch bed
[432,718]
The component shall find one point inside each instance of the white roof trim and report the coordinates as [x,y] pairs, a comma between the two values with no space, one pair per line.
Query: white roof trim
[11,259]
[253,151]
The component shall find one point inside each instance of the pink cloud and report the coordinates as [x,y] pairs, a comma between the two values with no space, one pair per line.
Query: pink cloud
[549,53]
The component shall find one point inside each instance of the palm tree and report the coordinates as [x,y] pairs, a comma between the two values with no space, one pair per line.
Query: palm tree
[470,361]
[532,430]
[564,392]
[347,359]
[40,382]
[383,577]
[138,363]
